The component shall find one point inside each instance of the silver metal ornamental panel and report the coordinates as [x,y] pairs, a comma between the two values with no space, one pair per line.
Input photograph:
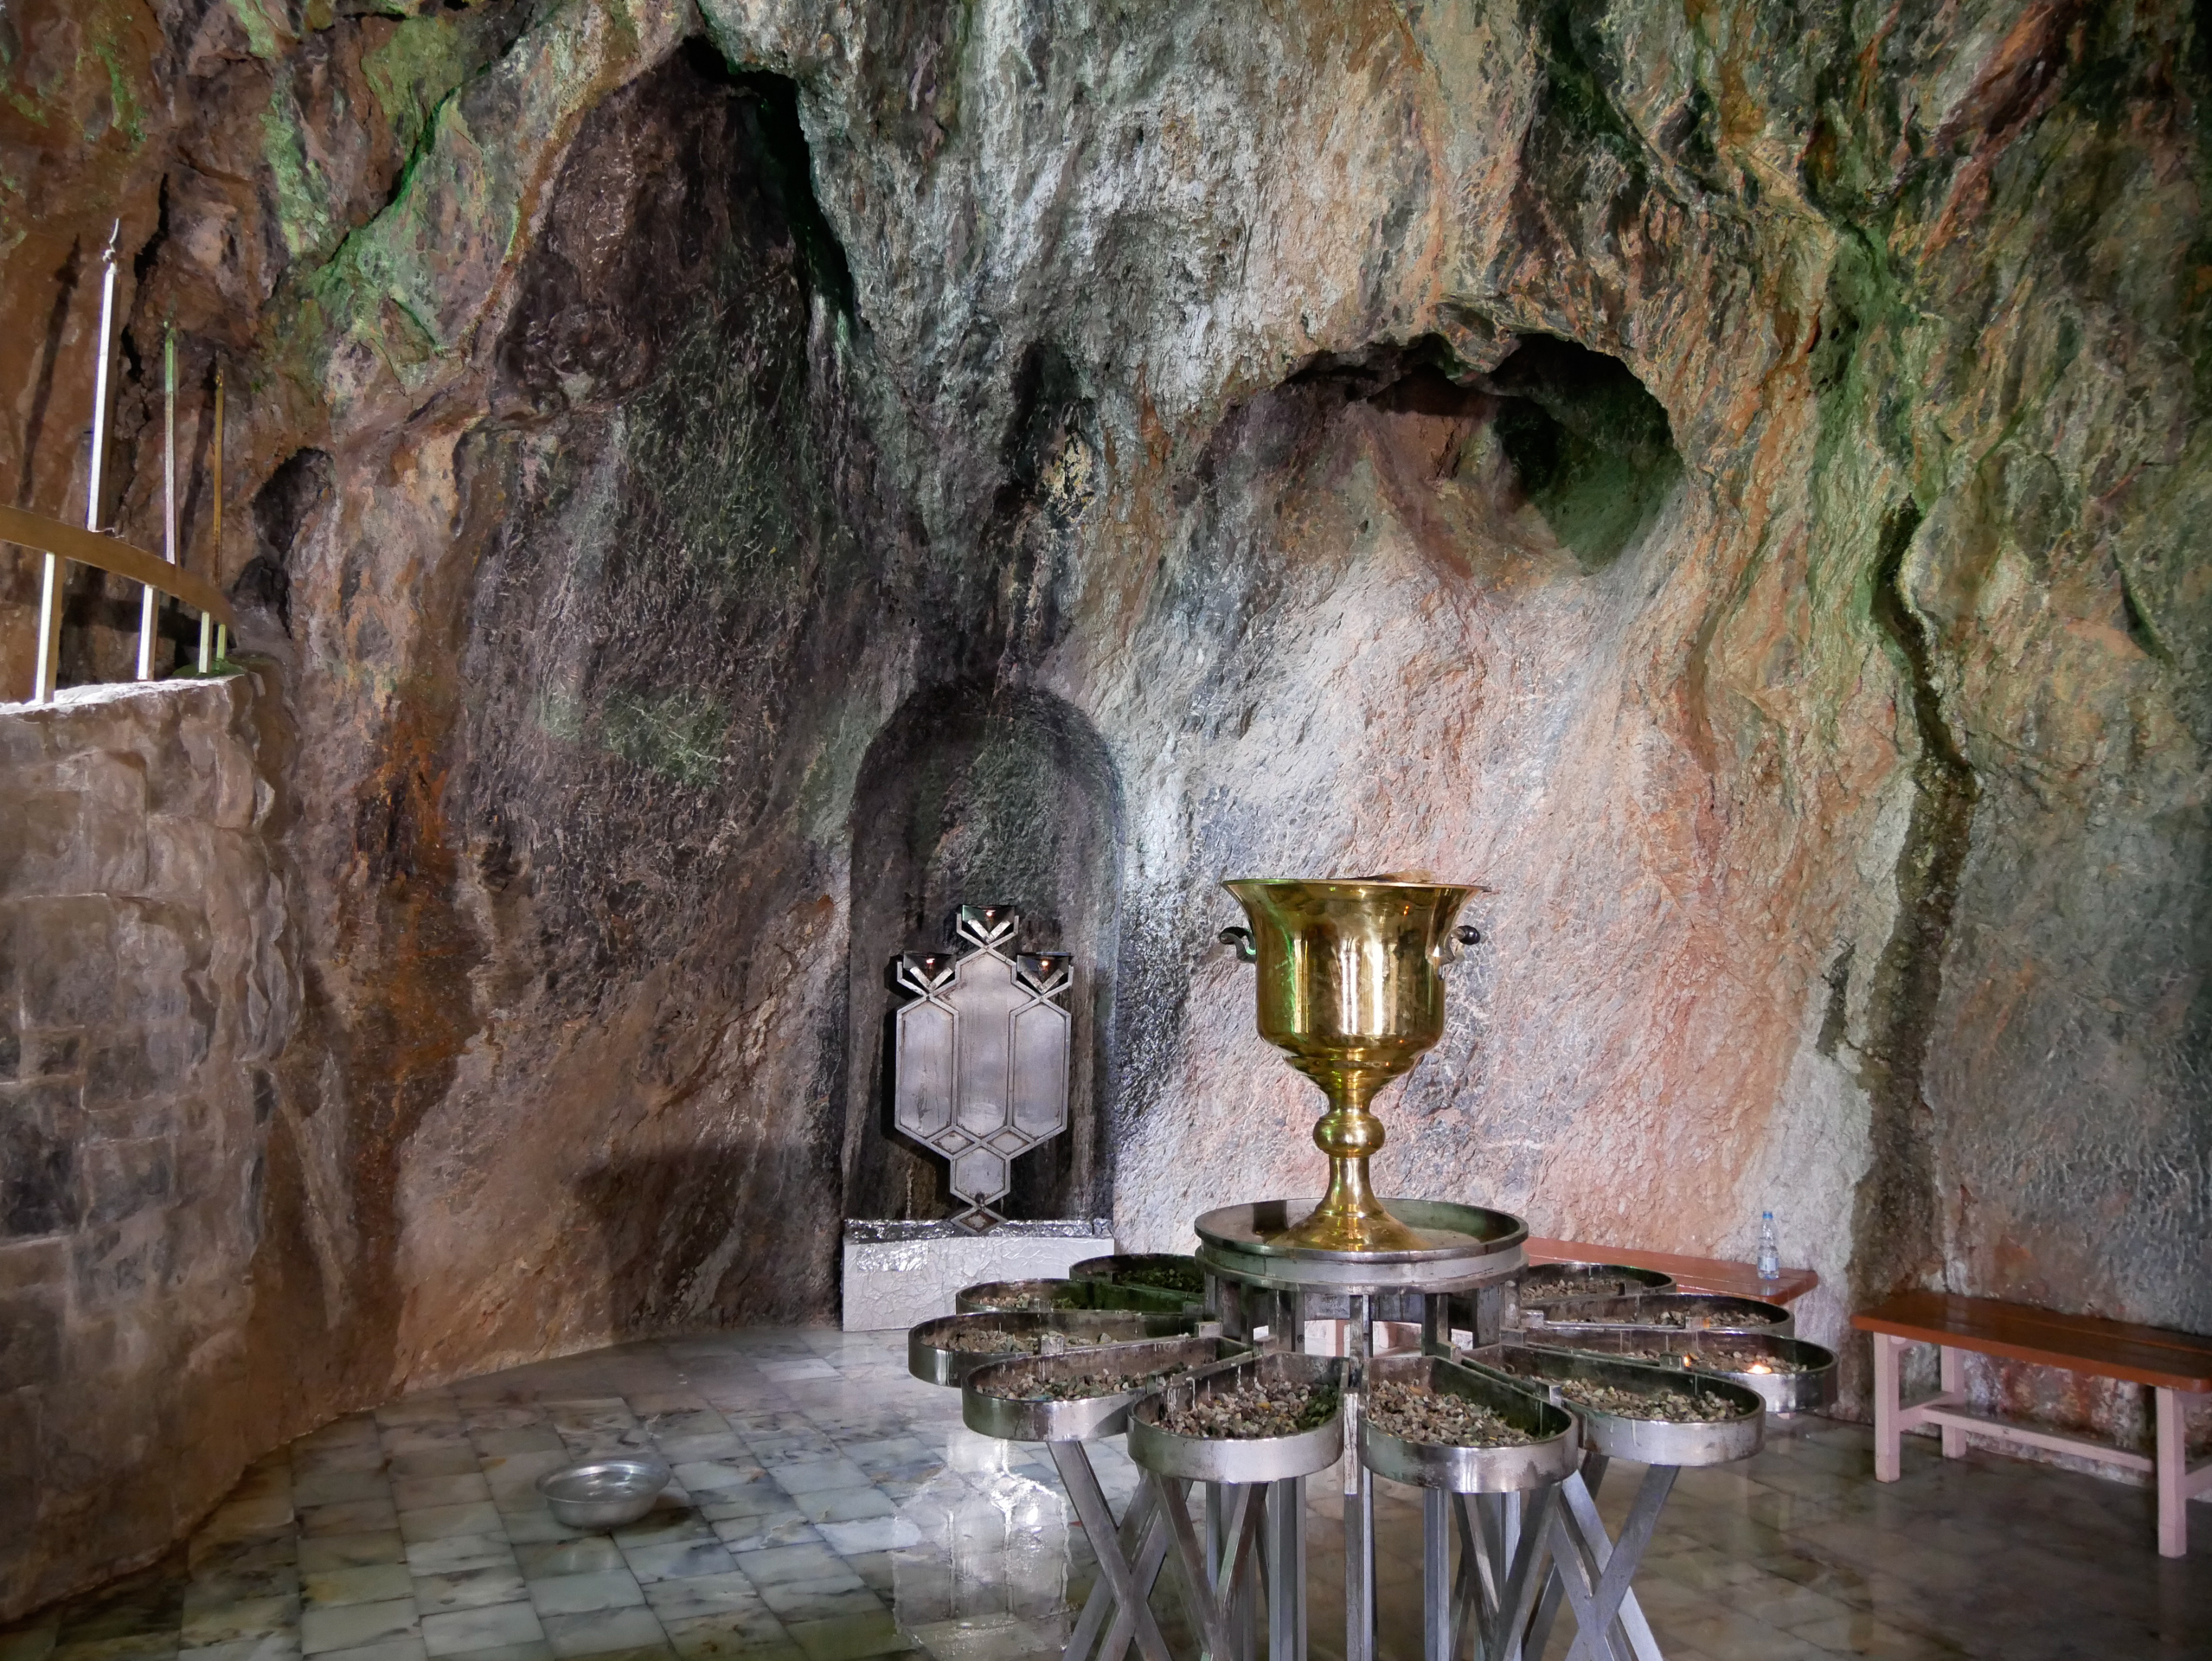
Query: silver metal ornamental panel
[981,1069]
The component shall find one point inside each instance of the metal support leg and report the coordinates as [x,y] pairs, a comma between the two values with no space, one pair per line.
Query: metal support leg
[1082,1485]
[1151,1558]
[1284,1538]
[1497,1590]
[1436,1574]
[1212,1582]
[1142,1529]
[1436,1323]
[1593,1572]
[1359,1491]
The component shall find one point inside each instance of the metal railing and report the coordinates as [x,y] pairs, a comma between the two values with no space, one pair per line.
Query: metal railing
[57,541]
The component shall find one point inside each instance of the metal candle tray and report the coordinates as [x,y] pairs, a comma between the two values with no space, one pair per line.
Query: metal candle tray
[1010,1297]
[1544,1286]
[1466,1246]
[934,1354]
[988,1409]
[1154,1271]
[1650,1441]
[1697,1312]
[1242,1458]
[1736,1357]
[1556,1455]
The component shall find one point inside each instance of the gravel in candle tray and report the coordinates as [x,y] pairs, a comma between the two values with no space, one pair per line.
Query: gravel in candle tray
[999,1341]
[1081,1388]
[1675,1407]
[1254,1411]
[1414,1412]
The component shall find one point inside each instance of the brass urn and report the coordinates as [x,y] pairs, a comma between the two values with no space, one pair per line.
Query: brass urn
[1349,984]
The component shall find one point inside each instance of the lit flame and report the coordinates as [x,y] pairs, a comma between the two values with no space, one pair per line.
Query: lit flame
[1761,1367]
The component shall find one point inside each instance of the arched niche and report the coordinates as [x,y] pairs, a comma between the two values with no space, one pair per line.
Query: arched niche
[985,796]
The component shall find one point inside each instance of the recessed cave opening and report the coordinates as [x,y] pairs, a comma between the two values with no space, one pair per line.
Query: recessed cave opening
[1591,445]
[977,795]
[1586,444]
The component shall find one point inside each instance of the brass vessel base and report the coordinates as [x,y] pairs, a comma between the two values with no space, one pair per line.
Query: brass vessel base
[1323,1231]
[1350,1218]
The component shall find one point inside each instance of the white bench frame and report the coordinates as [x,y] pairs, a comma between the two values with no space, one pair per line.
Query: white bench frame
[2178,1482]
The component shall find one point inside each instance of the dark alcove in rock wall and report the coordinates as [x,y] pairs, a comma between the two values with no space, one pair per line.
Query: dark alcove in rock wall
[976,796]
[681,556]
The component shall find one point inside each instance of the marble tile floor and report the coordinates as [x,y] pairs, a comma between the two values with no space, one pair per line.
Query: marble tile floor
[828,1507]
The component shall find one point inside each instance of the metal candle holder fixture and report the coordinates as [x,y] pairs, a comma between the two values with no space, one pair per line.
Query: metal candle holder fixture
[982,1052]
[1349,984]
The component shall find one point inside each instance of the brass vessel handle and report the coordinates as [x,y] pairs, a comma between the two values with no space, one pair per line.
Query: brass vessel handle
[1241,940]
[1462,937]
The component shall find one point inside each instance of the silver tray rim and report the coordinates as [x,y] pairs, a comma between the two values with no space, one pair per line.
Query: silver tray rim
[1234,1228]
[1245,1458]
[1160,1302]
[1658,1281]
[1095,1268]
[1649,1441]
[934,1363]
[1468,1470]
[1088,1419]
[1783,1392]
[1782,1326]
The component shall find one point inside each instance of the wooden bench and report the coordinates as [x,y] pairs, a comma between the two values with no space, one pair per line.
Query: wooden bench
[2173,1365]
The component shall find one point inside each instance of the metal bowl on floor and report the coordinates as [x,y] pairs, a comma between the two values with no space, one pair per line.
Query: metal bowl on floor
[605,1493]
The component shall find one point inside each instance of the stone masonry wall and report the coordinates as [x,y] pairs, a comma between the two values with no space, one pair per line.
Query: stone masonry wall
[142,981]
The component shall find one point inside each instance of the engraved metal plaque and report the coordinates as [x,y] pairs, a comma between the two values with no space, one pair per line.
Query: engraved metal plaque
[980,1072]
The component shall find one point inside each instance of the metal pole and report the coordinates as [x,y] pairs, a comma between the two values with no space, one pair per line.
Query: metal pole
[48,666]
[222,634]
[1359,1492]
[215,536]
[1436,1574]
[147,600]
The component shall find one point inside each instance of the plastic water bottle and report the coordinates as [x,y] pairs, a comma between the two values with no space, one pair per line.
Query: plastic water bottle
[1770,1248]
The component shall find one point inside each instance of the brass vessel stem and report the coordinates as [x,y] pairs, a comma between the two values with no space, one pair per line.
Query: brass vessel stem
[1350,1218]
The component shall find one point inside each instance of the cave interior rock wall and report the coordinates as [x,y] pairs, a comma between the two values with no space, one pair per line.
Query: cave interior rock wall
[712,488]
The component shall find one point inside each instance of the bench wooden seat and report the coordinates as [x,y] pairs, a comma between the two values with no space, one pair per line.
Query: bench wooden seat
[2173,1365]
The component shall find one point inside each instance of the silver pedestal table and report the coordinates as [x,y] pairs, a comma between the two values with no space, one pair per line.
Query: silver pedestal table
[1252,1286]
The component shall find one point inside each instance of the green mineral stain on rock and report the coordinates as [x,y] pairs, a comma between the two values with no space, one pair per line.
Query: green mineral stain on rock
[264,34]
[303,197]
[416,70]
[678,734]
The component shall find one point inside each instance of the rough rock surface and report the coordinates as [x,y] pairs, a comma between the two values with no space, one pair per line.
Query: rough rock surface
[1722,477]
[144,987]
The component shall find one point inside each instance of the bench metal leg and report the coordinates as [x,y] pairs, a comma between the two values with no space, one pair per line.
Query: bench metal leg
[1887,1433]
